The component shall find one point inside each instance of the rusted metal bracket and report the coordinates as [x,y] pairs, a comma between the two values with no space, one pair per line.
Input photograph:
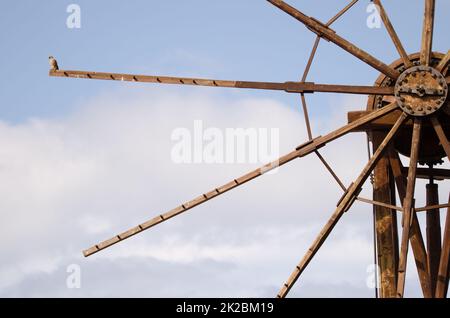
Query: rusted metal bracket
[320,34]
[352,200]
[311,142]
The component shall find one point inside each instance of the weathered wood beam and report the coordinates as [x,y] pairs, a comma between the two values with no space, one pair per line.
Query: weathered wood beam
[395,39]
[301,151]
[433,231]
[290,87]
[344,205]
[426,173]
[416,238]
[325,32]
[427,33]
[444,268]
[408,206]
[444,62]
[383,123]
[385,222]
[441,135]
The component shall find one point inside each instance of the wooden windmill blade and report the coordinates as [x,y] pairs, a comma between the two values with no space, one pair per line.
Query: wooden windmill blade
[393,34]
[408,205]
[289,87]
[301,151]
[325,32]
[407,114]
[343,206]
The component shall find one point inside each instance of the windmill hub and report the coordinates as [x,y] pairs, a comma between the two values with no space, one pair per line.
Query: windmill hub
[421,90]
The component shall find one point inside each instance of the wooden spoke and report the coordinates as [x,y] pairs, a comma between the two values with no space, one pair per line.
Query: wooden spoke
[427,34]
[416,238]
[444,268]
[408,206]
[343,206]
[290,87]
[301,151]
[441,135]
[444,62]
[395,39]
[324,31]
[433,231]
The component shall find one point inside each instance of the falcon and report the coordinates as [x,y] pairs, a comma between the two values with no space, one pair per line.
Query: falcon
[53,63]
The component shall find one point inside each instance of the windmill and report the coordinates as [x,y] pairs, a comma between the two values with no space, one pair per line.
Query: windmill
[407,114]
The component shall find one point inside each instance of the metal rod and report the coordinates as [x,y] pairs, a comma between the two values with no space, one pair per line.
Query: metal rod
[308,67]
[325,163]
[382,204]
[433,207]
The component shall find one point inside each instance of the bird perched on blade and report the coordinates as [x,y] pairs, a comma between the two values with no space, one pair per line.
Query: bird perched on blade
[53,63]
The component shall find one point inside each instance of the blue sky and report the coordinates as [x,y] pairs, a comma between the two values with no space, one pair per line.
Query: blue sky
[87,159]
[232,40]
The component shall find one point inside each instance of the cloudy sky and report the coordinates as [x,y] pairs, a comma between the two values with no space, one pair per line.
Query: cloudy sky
[82,160]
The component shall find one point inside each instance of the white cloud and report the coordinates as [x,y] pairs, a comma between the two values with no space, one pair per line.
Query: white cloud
[70,182]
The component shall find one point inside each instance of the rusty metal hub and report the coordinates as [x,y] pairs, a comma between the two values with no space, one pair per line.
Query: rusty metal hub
[421,90]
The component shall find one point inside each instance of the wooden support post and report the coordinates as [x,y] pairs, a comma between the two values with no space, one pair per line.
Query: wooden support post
[386,223]
[408,206]
[417,242]
[433,234]
[444,268]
